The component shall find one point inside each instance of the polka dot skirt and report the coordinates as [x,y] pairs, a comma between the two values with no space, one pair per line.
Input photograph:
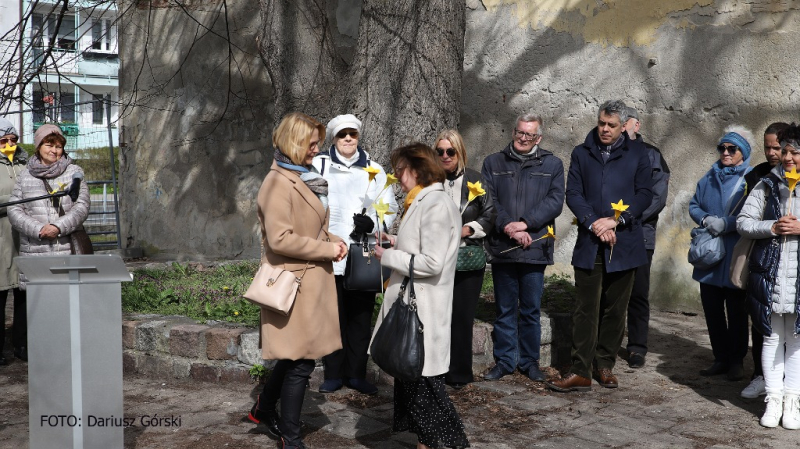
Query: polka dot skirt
[423,407]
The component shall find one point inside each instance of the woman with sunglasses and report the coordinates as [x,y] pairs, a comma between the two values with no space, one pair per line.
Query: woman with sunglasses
[13,158]
[343,166]
[715,205]
[477,217]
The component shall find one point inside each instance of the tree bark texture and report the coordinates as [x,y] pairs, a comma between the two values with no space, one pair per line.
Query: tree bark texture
[402,79]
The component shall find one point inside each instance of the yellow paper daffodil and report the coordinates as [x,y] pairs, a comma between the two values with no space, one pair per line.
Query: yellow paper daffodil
[9,151]
[550,233]
[475,190]
[390,179]
[372,171]
[619,208]
[792,177]
[382,208]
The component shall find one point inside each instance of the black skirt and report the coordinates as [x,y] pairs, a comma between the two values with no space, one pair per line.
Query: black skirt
[423,407]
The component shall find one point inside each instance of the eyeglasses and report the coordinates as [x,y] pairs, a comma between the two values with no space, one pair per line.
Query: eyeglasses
[450,152]
[13,140]
[525,136]
[731,149]
[343,134]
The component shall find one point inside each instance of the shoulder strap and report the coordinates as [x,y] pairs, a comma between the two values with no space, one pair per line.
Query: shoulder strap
[322,168]
[733,193]
[408,281]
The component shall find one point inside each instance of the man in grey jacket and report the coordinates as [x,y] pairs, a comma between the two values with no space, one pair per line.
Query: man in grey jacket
[639,303]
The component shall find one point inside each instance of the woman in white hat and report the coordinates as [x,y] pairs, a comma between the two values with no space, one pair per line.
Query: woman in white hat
[348,183]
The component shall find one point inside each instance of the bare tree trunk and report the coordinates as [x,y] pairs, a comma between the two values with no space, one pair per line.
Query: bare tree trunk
[404,82]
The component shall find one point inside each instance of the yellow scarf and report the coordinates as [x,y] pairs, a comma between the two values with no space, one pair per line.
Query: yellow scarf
[410,199]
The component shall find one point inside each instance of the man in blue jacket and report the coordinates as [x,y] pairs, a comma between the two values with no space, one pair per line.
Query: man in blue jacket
[526,183]
[608,168]
[639,304]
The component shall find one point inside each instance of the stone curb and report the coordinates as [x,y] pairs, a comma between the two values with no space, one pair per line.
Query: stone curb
[168,347]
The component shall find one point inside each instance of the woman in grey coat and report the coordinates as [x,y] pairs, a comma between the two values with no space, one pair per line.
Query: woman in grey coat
[14,159]
[43,230]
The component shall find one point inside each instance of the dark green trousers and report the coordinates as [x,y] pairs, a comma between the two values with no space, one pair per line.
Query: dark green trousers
[599,319]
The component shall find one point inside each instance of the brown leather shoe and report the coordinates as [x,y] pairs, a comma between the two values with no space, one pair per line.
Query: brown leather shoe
[605,377]
[571,382]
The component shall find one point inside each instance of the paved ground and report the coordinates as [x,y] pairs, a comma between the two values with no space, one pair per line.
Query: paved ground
[665,404]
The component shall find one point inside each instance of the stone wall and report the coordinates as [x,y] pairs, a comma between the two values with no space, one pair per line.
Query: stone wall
[691,67]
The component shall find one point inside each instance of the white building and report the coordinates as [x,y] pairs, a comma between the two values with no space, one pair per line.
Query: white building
[82,66]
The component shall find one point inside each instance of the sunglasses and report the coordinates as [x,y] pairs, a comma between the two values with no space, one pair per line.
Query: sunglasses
[450,152]
[343,134]
[13,141]
[732,149]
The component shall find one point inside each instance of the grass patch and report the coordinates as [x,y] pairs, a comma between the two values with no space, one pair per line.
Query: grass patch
[202,294]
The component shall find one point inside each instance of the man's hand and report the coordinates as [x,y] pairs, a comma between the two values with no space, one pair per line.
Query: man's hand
[609,237]
[514,227]
[603,225]
[523,238]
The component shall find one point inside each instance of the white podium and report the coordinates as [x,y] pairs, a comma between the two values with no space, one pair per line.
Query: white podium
[74,350]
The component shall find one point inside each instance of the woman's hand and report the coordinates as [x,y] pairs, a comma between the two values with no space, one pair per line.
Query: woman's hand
[787,225]
[49,232]
[341,251]
[387,238]
[466,231]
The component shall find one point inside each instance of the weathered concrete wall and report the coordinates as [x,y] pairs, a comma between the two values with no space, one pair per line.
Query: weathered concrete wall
[689,67]
[197,130]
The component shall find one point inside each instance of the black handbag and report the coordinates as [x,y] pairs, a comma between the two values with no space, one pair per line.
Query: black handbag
[398,347]
[470,257]
[362,271]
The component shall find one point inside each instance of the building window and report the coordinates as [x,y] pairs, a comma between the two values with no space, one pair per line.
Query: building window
[102,35]
[98,109]
[43,28]
[67,108]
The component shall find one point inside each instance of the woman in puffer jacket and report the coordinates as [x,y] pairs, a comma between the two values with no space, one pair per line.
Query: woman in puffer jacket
[43,230]
[769,216]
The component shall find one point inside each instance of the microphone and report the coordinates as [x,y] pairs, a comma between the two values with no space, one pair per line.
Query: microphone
[75,187]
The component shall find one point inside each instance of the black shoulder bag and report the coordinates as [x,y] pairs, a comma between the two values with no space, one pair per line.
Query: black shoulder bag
[362,271]
[398,347]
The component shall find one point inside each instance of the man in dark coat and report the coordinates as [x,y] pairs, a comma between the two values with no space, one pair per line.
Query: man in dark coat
[607,173]
[639,304]
[526,184]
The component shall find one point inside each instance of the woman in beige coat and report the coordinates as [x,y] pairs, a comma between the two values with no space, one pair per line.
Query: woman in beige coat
[430,230]
[14,159]
[293,212]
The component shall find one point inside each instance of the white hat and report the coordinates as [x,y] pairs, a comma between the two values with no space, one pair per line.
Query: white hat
[341,122]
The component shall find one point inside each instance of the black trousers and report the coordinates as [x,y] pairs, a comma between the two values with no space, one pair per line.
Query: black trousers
[288,383]
[639,308]
[19,330]
[599,319]
[466,292]
[355,318]
[727,331]
[758,345]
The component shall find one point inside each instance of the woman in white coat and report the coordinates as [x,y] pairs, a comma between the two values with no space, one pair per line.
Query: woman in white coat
[430,230]
[343,166]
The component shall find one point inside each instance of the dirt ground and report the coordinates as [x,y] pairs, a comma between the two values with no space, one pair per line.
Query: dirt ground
[665,404]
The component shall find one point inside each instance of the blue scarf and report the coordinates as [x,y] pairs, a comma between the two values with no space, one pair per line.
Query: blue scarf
[309,176]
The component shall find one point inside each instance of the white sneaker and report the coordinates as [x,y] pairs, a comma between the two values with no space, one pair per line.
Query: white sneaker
[772,416]
[791,412]
[756,388]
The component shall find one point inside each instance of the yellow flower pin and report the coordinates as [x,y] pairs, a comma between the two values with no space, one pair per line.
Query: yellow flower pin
[382,208]
[475,190]
[9,151]
[619,208]
[792,177]
[372,171]
[61,187]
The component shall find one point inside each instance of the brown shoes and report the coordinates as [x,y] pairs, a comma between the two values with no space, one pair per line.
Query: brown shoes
[571,382]
[605,377]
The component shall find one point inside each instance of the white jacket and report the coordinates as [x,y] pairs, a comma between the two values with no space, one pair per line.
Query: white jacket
[750,224]
[346,189]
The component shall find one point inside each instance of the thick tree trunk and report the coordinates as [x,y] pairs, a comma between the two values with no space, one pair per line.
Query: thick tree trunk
[404,81]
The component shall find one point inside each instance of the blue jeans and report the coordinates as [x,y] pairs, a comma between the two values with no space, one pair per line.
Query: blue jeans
[517,292]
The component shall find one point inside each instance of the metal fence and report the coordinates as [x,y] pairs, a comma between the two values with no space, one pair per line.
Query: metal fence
[87,145]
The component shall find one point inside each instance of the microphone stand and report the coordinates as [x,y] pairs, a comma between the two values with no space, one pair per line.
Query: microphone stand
[58,194]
